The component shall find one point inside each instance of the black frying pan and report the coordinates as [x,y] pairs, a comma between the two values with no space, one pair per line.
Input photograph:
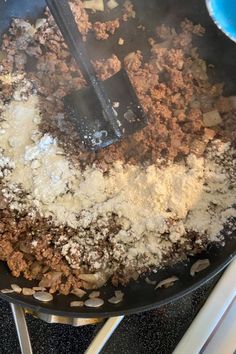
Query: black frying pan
[215,48]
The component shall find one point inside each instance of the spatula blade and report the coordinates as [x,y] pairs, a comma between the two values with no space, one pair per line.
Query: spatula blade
[94,127]
[85,109]
[127,108]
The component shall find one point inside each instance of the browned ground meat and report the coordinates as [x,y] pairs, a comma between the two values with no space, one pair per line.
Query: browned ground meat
[174,90]
[128,10]
[43,262]
[172,86]
[39,262]
[133,61]
[107,68]
[104,29]
[5,249]
[17,263]
[81,17]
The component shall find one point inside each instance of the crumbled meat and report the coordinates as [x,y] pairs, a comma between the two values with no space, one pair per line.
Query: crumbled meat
[133,61]
[128,10]
[189,27]
[107,68]
[173,88]
[5,249]
[81,17]
[103,30]
[165,33]
[165,81]
[16,263]
[42,262]
[51,279]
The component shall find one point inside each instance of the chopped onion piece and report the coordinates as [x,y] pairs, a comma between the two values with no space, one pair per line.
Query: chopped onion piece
[115,300]
[212,118]
[150,282]
[43,296]
[121,41]
[198,266]
[76,304]
[38,288]
[112,4]
[97,279]
[94,302]
[94,294]
[78,292]
[166,283]
[17,289]
[7,291]
[95,5]
[119,293]
[40,22]
[28,291]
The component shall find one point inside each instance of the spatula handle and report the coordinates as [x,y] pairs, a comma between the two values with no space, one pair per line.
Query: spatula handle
[64,18]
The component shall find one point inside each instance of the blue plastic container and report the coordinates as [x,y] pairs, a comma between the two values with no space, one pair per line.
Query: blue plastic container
[223,13]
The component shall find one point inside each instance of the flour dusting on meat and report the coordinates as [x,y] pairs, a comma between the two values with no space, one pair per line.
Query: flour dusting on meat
[72,219]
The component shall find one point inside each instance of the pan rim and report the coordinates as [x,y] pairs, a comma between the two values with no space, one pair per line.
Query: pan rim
[133,310]
[201,279]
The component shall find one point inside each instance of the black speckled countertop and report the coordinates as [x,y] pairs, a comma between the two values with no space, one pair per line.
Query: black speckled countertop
[156,331]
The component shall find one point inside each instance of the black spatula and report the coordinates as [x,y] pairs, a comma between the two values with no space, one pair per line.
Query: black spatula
[105,111]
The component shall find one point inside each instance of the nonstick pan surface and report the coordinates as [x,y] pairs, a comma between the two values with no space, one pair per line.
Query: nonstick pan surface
[217,49]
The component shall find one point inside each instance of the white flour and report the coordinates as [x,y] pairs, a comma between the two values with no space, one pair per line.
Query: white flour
[149,203]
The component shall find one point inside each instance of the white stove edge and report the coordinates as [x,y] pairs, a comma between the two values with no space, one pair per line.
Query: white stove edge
[204,336]
[213,331]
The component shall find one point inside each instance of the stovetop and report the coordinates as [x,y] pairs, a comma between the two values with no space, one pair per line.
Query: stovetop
[156,331]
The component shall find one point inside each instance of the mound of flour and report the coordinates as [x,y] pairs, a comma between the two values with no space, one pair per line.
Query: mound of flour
[194,196]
